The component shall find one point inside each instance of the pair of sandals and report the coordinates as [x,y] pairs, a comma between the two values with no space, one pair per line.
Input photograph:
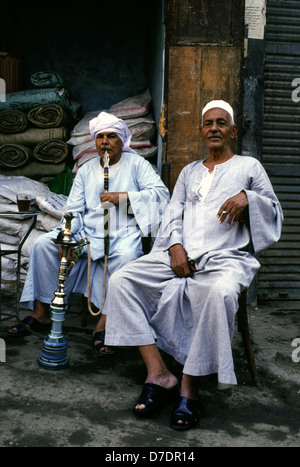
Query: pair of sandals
[186,412]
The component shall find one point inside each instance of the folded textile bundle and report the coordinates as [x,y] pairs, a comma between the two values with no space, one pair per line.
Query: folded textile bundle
[84,158]
[46,79]
[54,151]
[10,186]
[147,151]
[13,121]
[13,227]
[9,267]
[33,136]
[54,204]
[29,119]
[135,112]
[81,129]
[137,106]
[31,98]
[49,116]
[142,128]
[44,142]
[35,170]
[14,155]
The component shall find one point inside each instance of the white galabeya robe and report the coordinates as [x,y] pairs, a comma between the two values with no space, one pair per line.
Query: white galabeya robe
[192,318]
[148,198]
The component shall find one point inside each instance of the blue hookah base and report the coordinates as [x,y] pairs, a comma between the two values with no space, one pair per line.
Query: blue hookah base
[54,355]
[54,348]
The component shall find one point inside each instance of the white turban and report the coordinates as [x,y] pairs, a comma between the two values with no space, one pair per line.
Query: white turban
[106,123]
[220,105]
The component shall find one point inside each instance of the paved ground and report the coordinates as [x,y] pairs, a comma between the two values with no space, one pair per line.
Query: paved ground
[89,404]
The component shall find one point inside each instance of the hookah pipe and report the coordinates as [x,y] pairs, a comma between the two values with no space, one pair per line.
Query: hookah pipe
[85,241]
[54,348]
[106,211]
[106,244]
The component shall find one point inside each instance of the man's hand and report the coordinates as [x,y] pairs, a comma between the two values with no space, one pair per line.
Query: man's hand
[114,198]
[234,208]
[69,254]
[60,250]
[179,261]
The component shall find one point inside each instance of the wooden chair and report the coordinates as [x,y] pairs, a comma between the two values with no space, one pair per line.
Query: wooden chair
[244,329]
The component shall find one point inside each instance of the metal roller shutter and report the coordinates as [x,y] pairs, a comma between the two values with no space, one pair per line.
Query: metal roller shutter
[279,277]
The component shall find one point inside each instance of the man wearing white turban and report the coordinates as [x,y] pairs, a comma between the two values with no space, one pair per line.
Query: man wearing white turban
[183,296]
[106,122]
[136,197]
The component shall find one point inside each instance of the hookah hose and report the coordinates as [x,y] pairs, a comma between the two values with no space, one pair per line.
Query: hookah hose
[106,245]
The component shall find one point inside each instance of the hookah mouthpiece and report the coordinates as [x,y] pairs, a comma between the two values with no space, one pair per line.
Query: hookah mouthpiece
[68,216]
[106,165]
[106,160]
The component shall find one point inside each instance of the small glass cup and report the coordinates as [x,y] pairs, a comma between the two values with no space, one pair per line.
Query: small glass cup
[23,202]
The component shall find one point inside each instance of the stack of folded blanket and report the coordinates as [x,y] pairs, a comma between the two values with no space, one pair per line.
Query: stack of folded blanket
[51,207]
[135,111]
[34,127]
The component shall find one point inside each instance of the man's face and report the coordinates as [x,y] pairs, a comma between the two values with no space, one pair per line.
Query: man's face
[111,143]
[217,131]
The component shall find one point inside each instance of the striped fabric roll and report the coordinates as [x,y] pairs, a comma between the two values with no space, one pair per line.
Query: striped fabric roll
[14,155]
[51,151]
[13,121]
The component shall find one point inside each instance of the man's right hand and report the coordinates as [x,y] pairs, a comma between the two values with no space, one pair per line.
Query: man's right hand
[69,254]
[179,261]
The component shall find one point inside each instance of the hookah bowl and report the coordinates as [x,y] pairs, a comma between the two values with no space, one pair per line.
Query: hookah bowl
[54,349]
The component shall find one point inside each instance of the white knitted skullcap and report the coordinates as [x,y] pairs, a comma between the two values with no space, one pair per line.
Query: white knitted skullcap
[220,105]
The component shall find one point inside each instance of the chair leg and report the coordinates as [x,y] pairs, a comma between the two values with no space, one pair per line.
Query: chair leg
[244,329]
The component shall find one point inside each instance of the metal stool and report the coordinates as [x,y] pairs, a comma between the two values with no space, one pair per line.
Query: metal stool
[16,250]
[244,329]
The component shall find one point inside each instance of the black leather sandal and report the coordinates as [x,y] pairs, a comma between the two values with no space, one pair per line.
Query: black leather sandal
[100,336]
[28,323]
[153,397]
[187,411]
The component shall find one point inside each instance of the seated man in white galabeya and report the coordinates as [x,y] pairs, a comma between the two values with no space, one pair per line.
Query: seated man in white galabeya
[135,189]
[183,296]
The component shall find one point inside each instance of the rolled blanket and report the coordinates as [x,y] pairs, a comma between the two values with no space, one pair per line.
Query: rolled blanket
[36,170]
[31,98]
[13,121]
[46,79]
[33,136]
[51,151]
[49,116]
[14,155]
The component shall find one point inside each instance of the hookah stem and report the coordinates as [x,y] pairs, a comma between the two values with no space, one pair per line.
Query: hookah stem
[106,245]
[106,211]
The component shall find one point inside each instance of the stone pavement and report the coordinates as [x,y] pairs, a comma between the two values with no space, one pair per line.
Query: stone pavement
[89,404]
